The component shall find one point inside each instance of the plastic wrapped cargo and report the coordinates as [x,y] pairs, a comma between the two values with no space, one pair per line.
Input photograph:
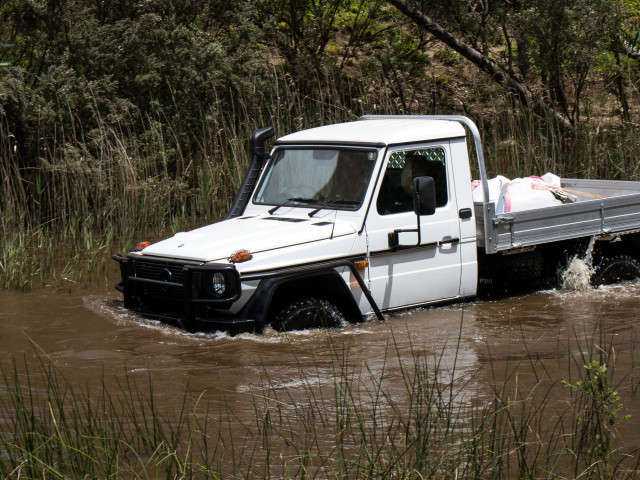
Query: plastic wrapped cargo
[522,193]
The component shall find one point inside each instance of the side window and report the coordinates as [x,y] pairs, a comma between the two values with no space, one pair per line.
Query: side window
[396,191]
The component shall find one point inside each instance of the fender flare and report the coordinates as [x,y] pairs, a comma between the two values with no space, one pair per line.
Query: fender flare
[269,294]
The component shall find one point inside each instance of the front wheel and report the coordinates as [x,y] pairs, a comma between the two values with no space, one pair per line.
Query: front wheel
[308,313]
[615,269]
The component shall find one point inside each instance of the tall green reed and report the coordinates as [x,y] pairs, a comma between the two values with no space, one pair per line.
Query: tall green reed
[89,193]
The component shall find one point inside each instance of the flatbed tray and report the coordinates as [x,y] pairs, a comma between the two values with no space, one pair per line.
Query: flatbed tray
[604,207]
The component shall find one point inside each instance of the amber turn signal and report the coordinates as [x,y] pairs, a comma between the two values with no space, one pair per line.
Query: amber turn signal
[141,245]
[240,256]
[360,264]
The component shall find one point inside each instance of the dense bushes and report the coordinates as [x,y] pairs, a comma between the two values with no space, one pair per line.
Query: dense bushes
[132,117]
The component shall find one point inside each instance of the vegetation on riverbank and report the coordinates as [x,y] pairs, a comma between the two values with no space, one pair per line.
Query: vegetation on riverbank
[433,421]
[133,121]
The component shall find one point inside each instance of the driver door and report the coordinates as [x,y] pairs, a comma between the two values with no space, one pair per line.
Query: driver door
[413,273]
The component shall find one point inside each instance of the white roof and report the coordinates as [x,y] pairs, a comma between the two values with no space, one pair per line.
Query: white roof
[379,131]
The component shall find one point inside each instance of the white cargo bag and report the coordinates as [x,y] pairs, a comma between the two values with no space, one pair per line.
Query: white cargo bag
[521,193]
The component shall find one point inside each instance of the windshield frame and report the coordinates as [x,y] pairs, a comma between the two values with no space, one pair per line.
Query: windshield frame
[297,201]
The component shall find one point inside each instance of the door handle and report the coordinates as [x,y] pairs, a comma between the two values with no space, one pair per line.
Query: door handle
[447,241]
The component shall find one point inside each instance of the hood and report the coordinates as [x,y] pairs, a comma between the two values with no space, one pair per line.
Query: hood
[255,234]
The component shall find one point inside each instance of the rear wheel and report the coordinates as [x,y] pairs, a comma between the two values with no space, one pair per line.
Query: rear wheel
[615,269]
[308,313]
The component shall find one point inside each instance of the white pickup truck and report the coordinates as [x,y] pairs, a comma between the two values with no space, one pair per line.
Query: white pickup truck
[355,219]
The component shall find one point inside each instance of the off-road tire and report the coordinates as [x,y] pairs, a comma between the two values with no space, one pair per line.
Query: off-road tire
[308,313]
[615,269]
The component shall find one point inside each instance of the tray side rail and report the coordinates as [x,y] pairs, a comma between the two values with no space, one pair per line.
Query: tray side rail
[596,217]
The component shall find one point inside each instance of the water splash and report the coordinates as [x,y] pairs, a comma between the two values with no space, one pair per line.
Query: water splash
[588,257]
[577,275]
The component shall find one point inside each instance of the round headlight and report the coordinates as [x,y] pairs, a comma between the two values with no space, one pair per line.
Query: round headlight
[218,284]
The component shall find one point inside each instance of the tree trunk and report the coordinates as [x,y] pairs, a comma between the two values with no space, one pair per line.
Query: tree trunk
[483,62]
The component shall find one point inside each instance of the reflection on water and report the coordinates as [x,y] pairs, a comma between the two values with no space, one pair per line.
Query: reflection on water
[90,331]
[536,337]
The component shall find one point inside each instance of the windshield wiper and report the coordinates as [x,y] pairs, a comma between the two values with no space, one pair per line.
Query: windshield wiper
[333,203]
[302,200]
[291,201]
[313,202]
[342,201]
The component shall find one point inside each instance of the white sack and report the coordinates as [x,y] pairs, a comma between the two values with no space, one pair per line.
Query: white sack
[520,193]
[495,187]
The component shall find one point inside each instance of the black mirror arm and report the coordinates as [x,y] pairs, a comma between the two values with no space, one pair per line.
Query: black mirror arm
[394,237]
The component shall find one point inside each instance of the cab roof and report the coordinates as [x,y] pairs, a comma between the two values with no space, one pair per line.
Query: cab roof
[378,132]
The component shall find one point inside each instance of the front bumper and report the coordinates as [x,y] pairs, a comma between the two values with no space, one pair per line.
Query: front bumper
[181,294]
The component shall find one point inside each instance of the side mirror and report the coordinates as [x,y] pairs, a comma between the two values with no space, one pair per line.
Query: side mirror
[424,196]
[424,203]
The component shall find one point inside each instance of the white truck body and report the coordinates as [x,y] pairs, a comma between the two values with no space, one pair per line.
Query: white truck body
[302,240]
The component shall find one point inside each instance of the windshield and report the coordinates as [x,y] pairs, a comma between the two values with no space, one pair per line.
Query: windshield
[333,178]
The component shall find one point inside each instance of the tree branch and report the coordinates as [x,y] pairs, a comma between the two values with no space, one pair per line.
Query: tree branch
[629,50]
[483,62]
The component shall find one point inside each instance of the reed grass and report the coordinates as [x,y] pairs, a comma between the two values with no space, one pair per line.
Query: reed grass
[90,193]
[440,423]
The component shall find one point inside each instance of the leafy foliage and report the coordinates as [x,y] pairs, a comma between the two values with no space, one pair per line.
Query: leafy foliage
[137,113]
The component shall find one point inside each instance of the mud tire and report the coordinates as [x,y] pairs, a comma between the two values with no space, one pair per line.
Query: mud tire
[615,269]
[308,313]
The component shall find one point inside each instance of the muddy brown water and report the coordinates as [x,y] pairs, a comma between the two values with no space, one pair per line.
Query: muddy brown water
[90,336]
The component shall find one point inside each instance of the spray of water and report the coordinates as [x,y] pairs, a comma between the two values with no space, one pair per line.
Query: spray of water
[577,275]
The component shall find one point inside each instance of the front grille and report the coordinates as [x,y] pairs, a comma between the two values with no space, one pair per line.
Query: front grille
[156,287]
[153,298]
[163,271]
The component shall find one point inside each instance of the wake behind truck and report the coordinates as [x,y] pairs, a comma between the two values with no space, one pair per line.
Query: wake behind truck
[352,220]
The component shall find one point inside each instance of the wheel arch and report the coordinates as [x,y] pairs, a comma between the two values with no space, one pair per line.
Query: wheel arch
[327,285]
[273,294]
